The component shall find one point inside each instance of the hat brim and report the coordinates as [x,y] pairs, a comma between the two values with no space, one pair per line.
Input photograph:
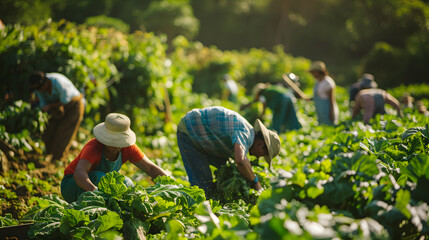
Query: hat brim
[259,126]
[114,139]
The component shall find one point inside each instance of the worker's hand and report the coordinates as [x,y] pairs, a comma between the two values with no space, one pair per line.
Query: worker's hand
[46,108]
[258,186]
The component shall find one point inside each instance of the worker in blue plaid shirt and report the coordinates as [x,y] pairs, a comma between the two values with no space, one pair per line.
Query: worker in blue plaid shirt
[210,136]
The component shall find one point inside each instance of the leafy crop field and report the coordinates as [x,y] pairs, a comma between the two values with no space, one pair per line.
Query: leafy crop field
[350,181]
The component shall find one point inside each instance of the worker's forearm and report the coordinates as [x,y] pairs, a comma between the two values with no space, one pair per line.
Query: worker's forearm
[245,170]
[150,168]
[243,164]
[52,106]
[83,181]
[156,171]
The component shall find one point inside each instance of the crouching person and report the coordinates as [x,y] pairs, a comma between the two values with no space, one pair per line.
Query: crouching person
[113,145]
[210,136]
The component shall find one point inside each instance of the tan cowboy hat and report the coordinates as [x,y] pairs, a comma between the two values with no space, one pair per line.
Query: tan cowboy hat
[115,131]
[257,88]
[318,66]
[272,141]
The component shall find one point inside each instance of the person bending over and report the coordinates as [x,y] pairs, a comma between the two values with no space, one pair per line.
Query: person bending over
[210,136]
[113,145]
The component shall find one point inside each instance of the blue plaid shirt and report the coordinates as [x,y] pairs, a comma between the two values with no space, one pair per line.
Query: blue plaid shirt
[216,129]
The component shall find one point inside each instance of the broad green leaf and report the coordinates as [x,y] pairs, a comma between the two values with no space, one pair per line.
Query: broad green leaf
[413,131]
[82,233]
[337,192]
[209,221]
[417,167]
[391,126]
[402,199]
[113,184]
[44,229]
[143,207]
[135,229]
[175,230]
[7,220]
[109,221]
[89,198]
[299,178]
[94,211]
[71,219]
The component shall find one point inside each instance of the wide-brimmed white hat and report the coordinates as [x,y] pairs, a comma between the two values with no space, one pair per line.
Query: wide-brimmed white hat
[272,140]
[115,131]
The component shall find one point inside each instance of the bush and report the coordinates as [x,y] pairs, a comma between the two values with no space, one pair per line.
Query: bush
[103,21]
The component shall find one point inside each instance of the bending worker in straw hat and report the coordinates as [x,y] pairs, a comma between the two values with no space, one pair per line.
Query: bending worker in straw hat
[210,136]
[281,101]
[113,145]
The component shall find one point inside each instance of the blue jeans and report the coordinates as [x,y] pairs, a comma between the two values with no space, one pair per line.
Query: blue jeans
[197,164]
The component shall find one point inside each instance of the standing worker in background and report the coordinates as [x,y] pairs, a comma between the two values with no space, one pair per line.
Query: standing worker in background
[113,145]
[281,102]
[59,97]
[372,102]
[230,89]
[210,136]
[324,94]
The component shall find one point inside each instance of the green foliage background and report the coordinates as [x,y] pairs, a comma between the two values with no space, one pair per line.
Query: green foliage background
[388,38]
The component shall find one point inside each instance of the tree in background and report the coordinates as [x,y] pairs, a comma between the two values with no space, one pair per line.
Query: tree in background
[25,12]
[388,38]
[172,18]
[396,49]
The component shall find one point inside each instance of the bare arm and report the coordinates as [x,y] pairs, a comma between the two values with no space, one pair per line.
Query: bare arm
[243,165]
[81,175]
[332,101]
[48,107]
[394,103]
[150,168]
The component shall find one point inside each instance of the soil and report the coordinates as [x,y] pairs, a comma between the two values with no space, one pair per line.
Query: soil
[40,170]
[41,177]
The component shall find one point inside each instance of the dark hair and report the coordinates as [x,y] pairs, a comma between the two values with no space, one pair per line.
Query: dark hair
[37,79]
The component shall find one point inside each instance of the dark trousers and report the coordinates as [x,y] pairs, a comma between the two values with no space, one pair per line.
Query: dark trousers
[61,131]
[197,163]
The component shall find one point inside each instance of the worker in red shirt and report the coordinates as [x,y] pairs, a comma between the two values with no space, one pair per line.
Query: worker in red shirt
[113,145]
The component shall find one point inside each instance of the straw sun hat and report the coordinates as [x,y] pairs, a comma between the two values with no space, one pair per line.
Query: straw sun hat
[318,66]
[115,131]
[258,88]
[272,141]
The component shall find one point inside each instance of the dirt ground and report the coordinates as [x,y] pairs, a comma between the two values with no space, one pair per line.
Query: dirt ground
[28,175]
